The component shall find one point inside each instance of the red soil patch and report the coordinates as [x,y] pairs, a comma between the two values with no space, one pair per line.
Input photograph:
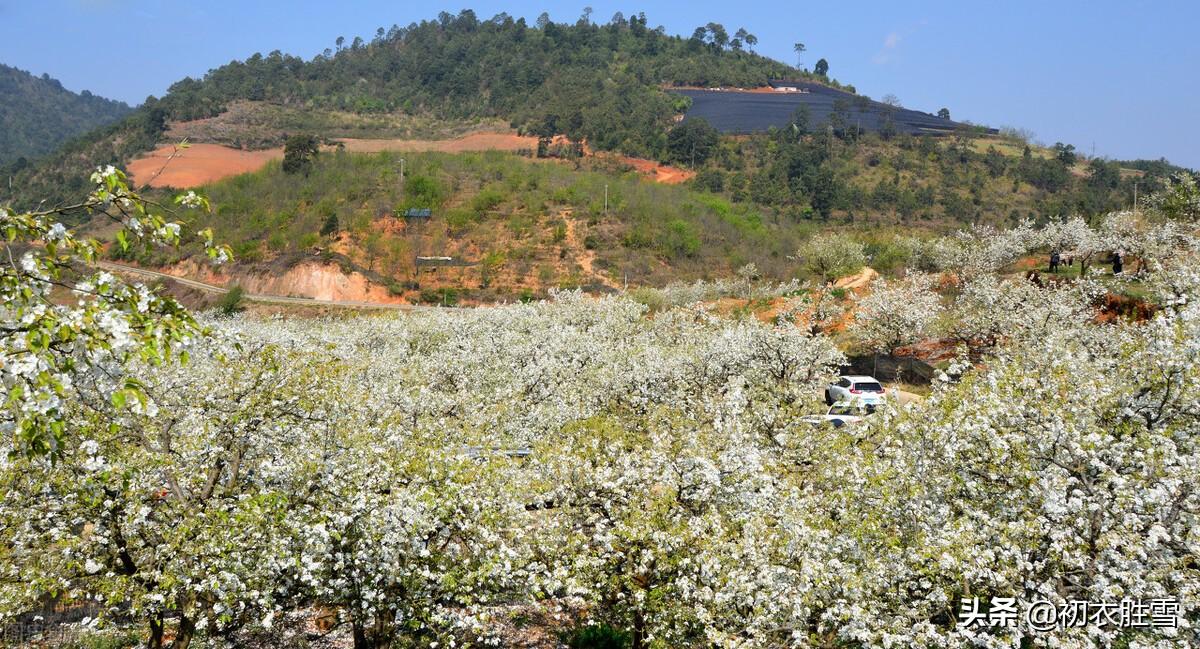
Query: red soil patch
[1113,308]
[482,141]
[200,164]
[759,89]
[665,174]
[196,165]
[929,351]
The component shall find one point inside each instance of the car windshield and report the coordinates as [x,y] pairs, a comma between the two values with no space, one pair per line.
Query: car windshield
[869,386]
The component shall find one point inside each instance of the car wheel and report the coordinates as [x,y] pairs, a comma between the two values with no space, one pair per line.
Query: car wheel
[828,398]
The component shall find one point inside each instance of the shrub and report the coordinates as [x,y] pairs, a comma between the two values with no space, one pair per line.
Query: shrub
[598,637]
[487,200]
[446,296]
[330,226]
[231,302]
[681,239]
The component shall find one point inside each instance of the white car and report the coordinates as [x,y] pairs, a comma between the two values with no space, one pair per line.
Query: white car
[840,414]
[859,389]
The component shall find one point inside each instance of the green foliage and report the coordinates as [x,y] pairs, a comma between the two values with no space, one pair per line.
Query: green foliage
[298,153]
[443,296]
[692,142]
[603,84]
[422,192]
[598,637]
[681,239]
[330,226]
[524,200]
[39,114]
[230,303]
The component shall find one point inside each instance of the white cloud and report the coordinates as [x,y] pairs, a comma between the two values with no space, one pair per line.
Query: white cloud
[887,53]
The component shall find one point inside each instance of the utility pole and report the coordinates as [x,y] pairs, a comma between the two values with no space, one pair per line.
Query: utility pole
[402,173]
[605,199]
[1135,188]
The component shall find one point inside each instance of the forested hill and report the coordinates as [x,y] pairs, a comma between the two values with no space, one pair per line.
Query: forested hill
[603,83]
[37,114]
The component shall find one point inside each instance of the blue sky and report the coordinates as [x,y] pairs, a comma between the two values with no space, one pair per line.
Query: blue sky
[1119,76]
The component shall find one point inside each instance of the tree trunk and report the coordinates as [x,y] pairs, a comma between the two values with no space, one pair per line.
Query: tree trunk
[362,640]
[187,631]
[639,631]
[155,641]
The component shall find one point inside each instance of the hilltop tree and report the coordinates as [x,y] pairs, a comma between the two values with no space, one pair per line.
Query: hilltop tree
[692,142]
[739,38]
[298,153]
[718,36]
[1064,153]
[821,69]
[799,49]
[944,113]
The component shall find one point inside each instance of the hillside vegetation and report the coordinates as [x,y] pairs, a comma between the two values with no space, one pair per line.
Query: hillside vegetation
[839,174]
[38,114]
[527,224]
[600,83]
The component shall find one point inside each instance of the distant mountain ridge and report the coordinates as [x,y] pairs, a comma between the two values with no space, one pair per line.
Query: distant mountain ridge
[37,114]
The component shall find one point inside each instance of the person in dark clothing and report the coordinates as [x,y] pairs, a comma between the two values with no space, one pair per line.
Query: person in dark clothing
[1118,263]
[1054,261]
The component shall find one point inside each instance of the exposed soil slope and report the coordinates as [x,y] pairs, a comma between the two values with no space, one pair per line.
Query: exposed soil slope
[200,164]
[196,165]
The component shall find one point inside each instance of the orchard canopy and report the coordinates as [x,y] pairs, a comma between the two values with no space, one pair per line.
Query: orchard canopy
[423,475]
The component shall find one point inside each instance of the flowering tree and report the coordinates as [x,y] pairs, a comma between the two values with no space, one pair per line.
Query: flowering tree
[980,250]
[829,256]
[1180,201]
[1076,238]
[421,474]
[50,346]
[896,313]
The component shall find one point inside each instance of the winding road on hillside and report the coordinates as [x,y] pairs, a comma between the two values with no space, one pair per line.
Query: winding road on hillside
[251,297]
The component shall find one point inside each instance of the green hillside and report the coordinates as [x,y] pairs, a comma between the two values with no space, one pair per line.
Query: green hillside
[753,198]
[527,225]
[600,83]
[38,114]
